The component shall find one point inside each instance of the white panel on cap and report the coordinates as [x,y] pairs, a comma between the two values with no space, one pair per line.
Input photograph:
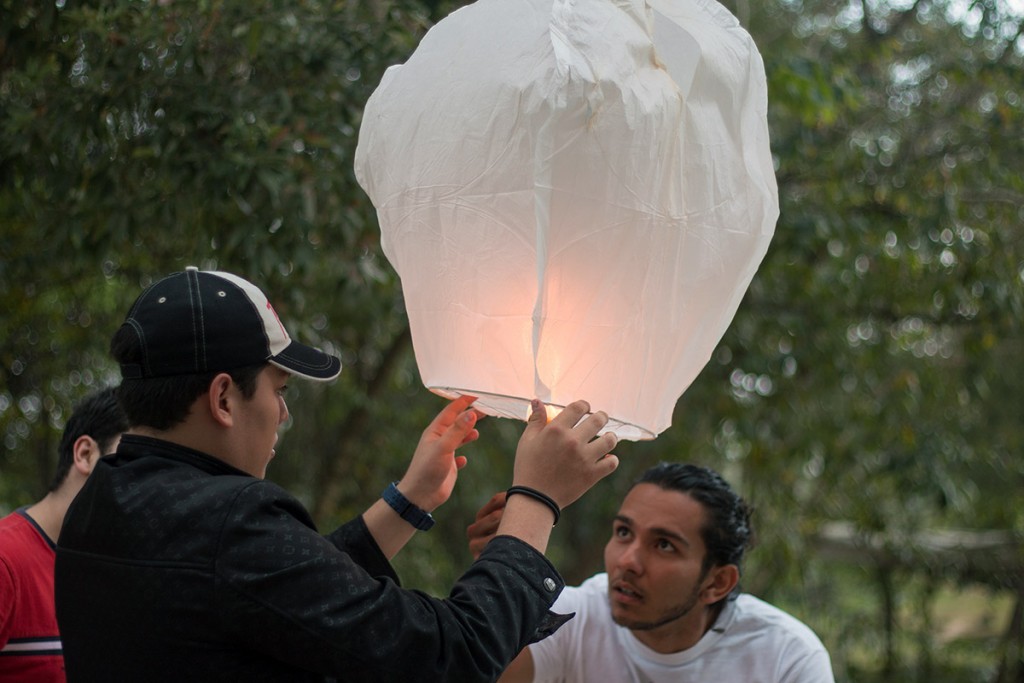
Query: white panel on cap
[278,336]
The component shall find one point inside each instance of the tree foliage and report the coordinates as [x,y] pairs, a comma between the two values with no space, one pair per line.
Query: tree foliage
[872,375]
[142,137]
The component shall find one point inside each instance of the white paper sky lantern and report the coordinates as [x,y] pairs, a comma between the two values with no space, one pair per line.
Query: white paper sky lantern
[575,195]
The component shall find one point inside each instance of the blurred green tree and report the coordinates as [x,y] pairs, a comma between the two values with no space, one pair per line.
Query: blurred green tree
[138,138]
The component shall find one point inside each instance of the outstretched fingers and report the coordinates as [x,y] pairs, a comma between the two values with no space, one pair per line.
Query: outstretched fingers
[572,414]
[588,429]
[450,414]
[593,425]
[607,463]
[453,426]
[459,432]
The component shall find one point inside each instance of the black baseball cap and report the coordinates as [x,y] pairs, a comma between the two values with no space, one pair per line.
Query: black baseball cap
[194,322]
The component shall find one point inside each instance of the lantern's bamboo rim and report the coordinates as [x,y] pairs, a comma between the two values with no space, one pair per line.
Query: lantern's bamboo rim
[518,408]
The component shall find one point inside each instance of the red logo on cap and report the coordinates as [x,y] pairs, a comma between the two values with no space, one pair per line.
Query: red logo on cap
[283,331]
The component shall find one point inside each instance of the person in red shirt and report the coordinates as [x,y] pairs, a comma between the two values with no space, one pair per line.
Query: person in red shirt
[30,646]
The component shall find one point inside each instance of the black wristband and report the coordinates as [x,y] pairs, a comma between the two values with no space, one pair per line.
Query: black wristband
[534,493]
[407,510]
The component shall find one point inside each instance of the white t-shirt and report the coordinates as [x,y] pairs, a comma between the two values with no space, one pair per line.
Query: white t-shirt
[750,642]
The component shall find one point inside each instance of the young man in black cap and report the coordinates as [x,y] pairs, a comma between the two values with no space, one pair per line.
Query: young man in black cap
[177,561]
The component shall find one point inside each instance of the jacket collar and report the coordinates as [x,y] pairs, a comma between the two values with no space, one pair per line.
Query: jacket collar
[134,446]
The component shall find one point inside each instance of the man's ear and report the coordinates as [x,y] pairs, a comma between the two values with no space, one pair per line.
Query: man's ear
[85,452]
[719,582]
[220,399]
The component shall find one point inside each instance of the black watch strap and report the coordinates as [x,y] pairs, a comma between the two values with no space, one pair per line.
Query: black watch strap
[408,511]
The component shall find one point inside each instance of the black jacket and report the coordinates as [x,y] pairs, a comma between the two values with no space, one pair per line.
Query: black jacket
[174,566]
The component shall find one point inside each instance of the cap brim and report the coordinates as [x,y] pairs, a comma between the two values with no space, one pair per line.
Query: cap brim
[307,362]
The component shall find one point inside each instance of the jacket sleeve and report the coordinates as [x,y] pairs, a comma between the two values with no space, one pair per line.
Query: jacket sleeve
[305,599]
[354,539]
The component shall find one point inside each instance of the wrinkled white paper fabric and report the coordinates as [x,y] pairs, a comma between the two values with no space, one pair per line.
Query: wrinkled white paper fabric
[575,195]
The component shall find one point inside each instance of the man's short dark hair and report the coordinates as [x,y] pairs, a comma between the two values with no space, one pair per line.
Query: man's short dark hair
[99,416]
[727,530]
[163,402]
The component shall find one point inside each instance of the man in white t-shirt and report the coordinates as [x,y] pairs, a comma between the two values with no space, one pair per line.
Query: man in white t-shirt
[668,608]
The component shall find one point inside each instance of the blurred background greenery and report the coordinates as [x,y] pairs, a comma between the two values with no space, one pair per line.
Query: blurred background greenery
[867,397]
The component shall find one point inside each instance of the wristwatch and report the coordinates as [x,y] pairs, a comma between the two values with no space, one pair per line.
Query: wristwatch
[420,519]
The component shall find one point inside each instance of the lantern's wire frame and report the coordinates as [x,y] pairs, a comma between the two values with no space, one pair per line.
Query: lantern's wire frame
[518,408]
